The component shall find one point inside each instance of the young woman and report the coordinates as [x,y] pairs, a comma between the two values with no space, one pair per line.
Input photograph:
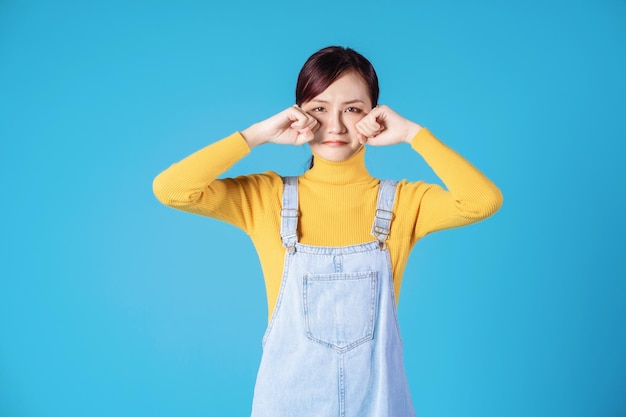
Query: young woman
[333,243]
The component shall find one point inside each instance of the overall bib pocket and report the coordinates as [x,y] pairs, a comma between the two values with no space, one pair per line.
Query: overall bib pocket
[340,308]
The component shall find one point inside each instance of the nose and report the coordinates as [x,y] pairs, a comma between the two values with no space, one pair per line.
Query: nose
[336,123]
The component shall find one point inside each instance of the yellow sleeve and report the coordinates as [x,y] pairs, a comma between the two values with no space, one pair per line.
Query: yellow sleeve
[470,195]
[191,184]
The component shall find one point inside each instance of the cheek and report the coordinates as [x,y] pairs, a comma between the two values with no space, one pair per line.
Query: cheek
[319,133]
[356,119]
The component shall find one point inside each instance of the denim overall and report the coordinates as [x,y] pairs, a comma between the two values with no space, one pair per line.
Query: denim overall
[333,346]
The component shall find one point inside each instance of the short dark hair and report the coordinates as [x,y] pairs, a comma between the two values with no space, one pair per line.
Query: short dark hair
[326,65]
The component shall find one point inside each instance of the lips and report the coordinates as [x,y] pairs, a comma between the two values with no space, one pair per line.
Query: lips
[334,142]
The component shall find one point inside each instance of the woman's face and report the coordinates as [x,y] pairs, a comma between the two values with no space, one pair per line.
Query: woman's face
[338,109]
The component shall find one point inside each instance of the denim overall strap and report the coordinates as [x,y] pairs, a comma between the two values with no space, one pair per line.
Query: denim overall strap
[384,211]
[289,214]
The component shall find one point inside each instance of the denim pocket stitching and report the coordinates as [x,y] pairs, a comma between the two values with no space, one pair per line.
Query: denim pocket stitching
[312,299]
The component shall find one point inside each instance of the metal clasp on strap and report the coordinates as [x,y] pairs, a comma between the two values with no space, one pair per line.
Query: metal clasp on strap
[382,230]
[382,227]
[384,214]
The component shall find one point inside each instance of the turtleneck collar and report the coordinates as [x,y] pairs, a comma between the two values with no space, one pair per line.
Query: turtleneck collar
[351,170]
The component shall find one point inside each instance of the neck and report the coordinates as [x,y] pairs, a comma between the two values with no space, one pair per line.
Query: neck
[343,172]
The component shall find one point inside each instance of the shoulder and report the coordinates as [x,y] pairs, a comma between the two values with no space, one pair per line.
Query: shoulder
[264,178]
[265,181]
[414,187]
[410,194]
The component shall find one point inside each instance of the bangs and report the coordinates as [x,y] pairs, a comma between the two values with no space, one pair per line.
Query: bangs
[326,65]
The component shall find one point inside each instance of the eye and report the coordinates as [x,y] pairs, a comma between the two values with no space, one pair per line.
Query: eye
[317,109]
[353,110]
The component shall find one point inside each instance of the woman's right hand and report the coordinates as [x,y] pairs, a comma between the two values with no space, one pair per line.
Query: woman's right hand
[291,126]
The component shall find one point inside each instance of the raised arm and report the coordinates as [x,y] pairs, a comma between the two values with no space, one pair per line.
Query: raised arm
[470,196]
[192,185]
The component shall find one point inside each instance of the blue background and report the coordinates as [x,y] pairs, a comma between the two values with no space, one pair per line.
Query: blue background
[114,305]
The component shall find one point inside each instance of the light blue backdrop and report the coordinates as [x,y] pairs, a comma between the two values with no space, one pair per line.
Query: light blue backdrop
[113,305]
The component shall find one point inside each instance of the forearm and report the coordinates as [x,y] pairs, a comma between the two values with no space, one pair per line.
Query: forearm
[470,195]
[184,182]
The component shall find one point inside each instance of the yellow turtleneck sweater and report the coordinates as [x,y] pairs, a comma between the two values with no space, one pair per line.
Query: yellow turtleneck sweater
[337,201]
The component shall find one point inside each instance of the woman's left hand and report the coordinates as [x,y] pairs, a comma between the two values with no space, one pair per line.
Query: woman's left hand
[383,126]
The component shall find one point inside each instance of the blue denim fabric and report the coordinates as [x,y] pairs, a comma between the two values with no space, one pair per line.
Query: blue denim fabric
[333,346]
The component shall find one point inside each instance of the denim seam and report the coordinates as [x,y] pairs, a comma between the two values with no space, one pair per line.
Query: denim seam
[341,277]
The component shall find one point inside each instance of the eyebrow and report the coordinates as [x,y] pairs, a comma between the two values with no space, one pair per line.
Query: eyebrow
[345,102]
